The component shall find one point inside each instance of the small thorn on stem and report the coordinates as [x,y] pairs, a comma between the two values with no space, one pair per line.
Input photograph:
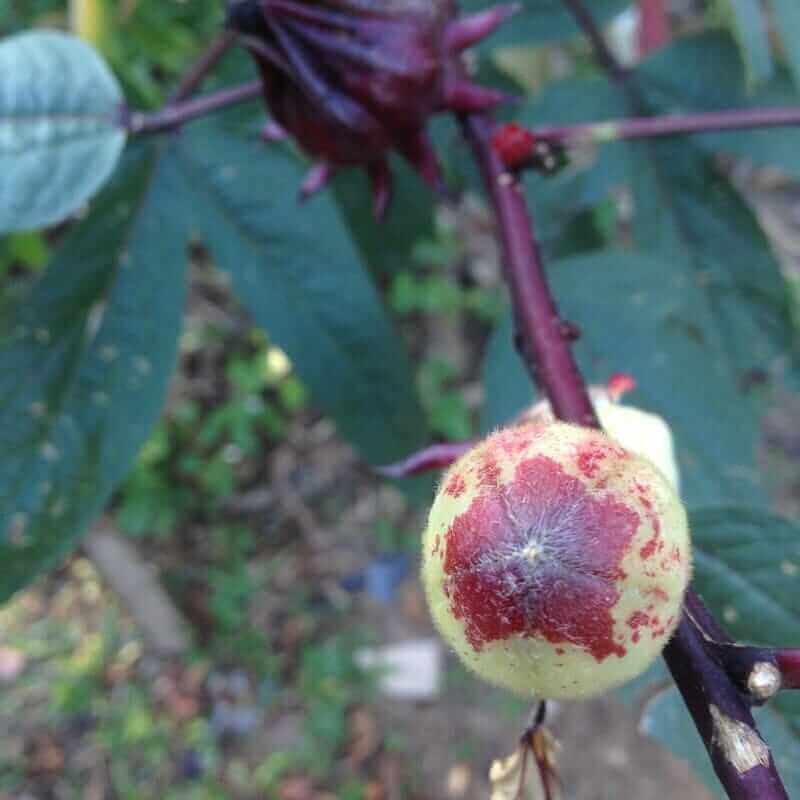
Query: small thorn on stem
[317,178]
[272,132]
[469,30]
[569,331]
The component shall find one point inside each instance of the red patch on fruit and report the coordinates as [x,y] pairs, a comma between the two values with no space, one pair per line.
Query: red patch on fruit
[635,621]
[539,559]
[592,454]
[658,593]
[456,486]
[651,546]
[644,495]
[589,458]
[488,474]
[655,543]
[513,144]
[515,440]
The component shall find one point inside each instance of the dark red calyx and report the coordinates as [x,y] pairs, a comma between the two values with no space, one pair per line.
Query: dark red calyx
[353,80]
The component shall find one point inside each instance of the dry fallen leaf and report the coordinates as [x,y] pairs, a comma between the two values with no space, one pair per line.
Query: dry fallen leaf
[521,775]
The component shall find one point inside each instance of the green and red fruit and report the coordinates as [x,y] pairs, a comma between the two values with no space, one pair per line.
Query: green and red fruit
[555,561]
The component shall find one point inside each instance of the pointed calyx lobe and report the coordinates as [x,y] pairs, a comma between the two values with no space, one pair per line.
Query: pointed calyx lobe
[352,80]
[555,561]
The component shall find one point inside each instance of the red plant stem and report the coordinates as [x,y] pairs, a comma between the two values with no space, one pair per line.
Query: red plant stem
[539,331]
[713,699]
[788,662]
[740,661]
[653,26]
[720,711]
[671,125]
[722,716]
[174,116]
[207,61]
[436,456]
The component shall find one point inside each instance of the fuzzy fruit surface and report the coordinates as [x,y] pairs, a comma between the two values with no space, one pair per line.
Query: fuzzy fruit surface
[642,432]
[555,561]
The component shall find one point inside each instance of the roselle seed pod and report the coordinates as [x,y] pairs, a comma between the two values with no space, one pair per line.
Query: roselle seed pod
[353,80]
[555,561]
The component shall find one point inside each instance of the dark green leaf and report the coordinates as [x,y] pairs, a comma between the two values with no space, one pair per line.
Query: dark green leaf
[747,568]
[706,73]
[386,247]
[787,25]
[559,201]
[60,136]
[750,26]
[84,366]
[544,20]
[641,315]
[296,270]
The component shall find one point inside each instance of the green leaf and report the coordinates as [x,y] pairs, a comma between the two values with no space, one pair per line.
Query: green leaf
[747,568]
[84,366]
[296,271]
[706,73]
[666,720]
[688,211]
[60,135]
[544,20]
[643,315]
[750,25]
[559,200]
[787,26]
[386,247]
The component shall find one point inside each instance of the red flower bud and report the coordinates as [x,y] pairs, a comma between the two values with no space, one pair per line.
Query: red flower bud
[352,80]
